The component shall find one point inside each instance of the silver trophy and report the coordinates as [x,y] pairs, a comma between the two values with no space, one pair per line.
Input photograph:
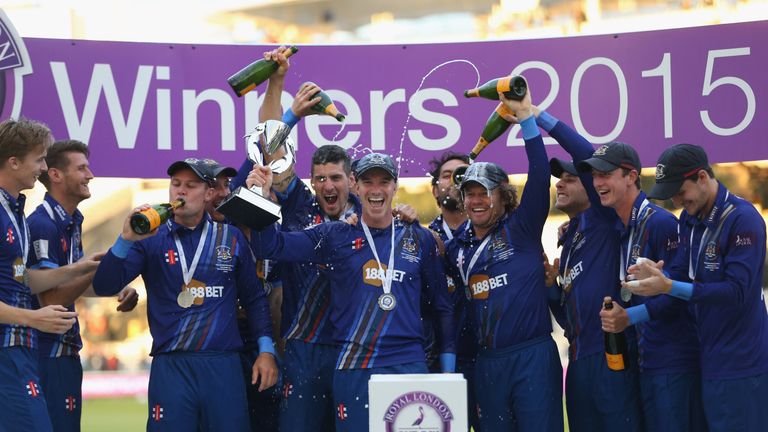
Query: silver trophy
[269,141]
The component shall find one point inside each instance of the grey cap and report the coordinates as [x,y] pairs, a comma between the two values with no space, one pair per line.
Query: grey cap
[487,174]
[375,160]
[559,166]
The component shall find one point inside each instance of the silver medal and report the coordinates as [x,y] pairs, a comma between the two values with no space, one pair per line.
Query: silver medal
[387,302]
[185,298]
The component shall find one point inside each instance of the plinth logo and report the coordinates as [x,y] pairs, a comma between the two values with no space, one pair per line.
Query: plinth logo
[14,64]
[418,412]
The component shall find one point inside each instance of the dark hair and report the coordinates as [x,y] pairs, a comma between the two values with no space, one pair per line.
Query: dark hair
[331,153]
[437,163]
[508,197]
[57,157]
[20,137]
[625,172]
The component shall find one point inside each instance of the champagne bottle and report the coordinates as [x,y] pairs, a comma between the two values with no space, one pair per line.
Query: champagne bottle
[458,175]
[247,78]
[494,128]
[513,87]
[326,106]
[151,218]
[615,344]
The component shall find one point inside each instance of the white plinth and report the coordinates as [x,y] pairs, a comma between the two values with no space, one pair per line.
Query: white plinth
[417,403]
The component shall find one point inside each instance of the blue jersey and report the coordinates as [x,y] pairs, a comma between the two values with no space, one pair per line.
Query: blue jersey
[225,274]
[368,335]
[723,254]
[667,342]
[509,300]
[56,241]
[306,293]
[589,261]
[14,245]
[466,348]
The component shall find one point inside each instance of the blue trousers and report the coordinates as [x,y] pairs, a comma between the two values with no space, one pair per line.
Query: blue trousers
[350,393]
[519,388]
[263,407]
[672,402]
[467,368]
[308,370]
[61,379]
[23,404]
[197,391]
[735,405]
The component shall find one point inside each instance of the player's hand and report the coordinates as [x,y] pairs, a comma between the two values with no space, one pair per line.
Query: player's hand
[88,264]
[352,219]
[264,368]
[405,213]
[260,176]
[278,55]
[52,319]
[128,232]
[647,279]
[127,299]
[522,109]
[303,101]
[551,271]
[614,320]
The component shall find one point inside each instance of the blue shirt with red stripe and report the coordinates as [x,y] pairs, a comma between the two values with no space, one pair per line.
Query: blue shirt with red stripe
[724,251]
[13,292]
[306,293]
[226,269]
[56,241]
[369,336]
[589,261]
[667,342]
[509,300]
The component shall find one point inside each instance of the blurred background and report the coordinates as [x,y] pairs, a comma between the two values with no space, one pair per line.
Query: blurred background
[116,345]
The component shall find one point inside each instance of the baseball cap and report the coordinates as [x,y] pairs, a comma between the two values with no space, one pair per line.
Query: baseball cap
[375,160]
[199,166]
[487,174]
[218,169]
[611,156]
[559,166]
[675,165]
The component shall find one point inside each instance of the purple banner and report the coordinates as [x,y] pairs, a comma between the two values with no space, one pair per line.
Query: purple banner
[141,106]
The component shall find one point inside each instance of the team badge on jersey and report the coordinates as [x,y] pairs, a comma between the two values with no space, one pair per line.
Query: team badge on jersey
[224,259]
[710,253]
[410,250]
[500,249]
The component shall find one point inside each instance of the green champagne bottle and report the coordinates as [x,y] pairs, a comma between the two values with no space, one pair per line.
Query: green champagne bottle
[151,218]
[513,87]
[494,128]
[247,78]
[326,106]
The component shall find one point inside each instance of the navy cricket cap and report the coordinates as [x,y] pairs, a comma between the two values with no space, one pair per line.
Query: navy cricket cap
[559,166]
[200,167]
[487,174]
[675,165]
[218,169]
[610,157]
[375,160]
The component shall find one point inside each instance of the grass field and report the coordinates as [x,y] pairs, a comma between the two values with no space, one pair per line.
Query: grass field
[114,415]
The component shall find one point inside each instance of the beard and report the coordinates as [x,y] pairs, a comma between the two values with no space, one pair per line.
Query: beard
[450,203]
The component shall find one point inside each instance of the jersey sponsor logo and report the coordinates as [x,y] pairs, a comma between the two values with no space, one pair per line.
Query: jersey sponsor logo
[743,241]
[157,413]
[480,285]
[571,275]
[202,292]
[41,249]
[451,284]
[171,257]
[341,411]
[70,403]
[372,275]
[357,243]
[418,410]
[33,389]
[18,270]
[61,212]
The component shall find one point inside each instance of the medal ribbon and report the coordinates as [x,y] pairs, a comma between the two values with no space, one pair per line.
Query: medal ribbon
[188,272]
[386,277]
[23,236]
